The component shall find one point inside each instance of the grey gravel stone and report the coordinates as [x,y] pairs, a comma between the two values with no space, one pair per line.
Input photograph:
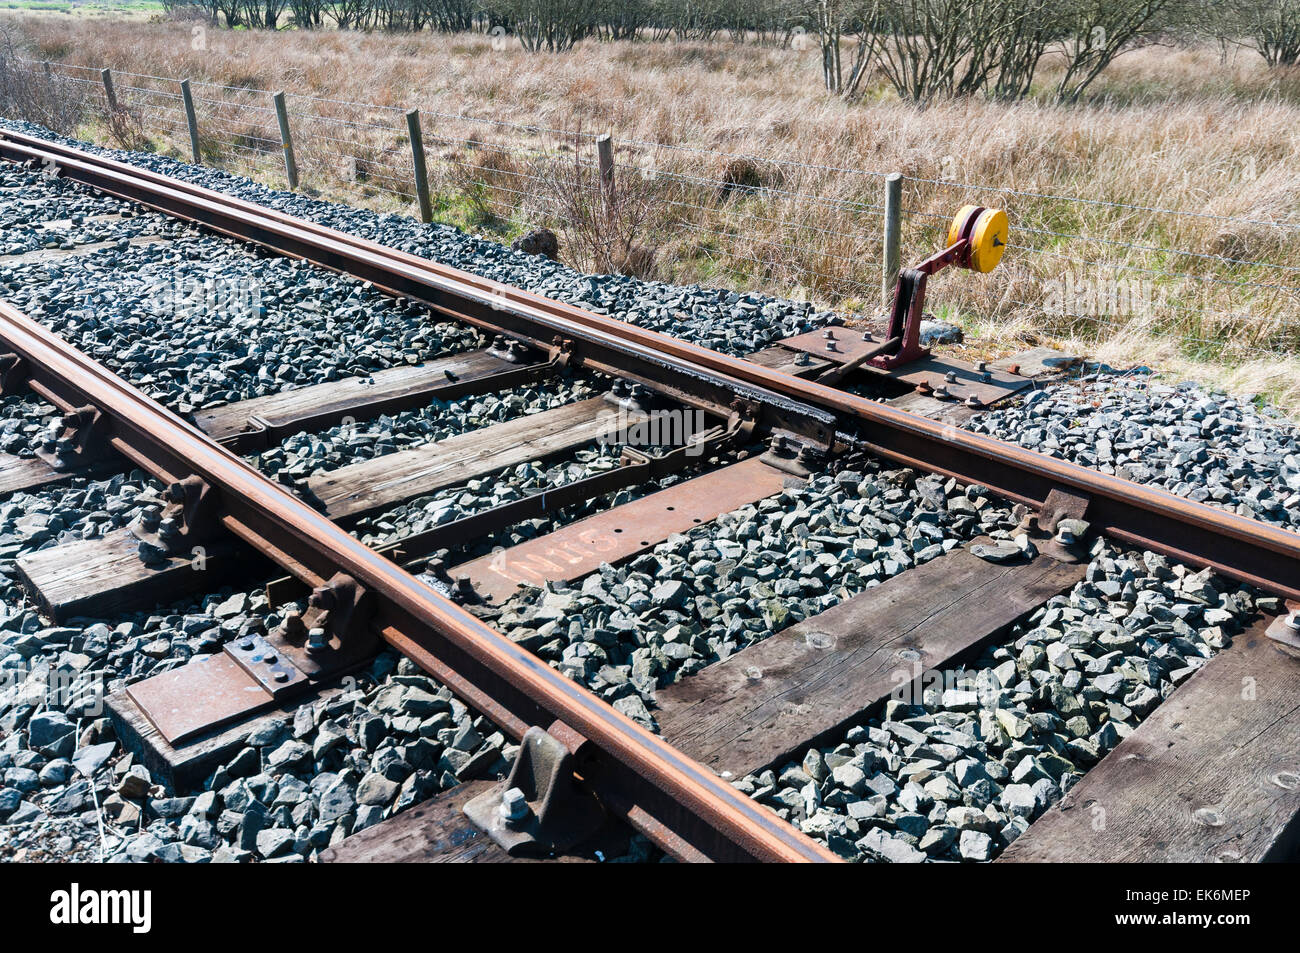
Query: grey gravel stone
[963,776]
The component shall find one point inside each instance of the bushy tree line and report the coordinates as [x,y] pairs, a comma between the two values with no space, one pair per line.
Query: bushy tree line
[923,48]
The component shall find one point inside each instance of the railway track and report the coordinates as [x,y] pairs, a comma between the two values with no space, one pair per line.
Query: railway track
[769,424]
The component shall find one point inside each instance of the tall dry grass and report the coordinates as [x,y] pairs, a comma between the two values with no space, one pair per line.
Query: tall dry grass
[1214,137]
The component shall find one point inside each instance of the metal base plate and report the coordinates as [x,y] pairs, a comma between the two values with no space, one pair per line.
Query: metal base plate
[842,346]
[1279,631]
[932,370]
[191,700]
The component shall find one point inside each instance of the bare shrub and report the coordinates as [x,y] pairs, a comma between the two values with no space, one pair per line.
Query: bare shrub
[604,225]
[35,94]
[1094,32]
[181,11]
[126,128]
[1273,28]
[552,26]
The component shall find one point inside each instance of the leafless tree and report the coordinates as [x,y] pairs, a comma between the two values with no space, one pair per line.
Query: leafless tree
[1094,32]
[1272,27]
[32,92]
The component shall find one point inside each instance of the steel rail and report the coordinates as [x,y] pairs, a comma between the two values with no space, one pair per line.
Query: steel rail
[1248,550]
[686,808]
[486,305]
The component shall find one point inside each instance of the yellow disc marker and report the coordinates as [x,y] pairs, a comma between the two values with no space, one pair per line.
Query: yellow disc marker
[958,227]
[988,240]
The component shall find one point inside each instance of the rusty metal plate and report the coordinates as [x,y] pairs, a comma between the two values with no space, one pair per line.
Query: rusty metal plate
[625,531]
[209,691]
[838,345]
[849,343]
[1281,630]
[969,380]
[266,664]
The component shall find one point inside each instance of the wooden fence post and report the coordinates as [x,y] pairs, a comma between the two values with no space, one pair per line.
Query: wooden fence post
[893,256]
[109,93]
[191,120]
[282,117]
[417,161]
[605,160]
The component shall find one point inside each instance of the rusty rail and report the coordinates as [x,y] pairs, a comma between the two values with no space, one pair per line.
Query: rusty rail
[683,806]
[1257,553]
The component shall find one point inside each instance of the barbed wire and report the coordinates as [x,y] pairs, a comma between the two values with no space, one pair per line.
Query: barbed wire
[1153,209]
[809,232]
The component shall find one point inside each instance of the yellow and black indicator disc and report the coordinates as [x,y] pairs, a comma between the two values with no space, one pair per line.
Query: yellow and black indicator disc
[986,229]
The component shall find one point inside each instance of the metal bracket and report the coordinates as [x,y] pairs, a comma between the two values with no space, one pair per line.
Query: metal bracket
[334,633]
[539,810]
[506,349]
[82,440]
[837,372]
[1059,529]
[190,516]
[795,457]
[630,395]
[905,320]
[260,659]
[1286,627]
[458,589]
[13,375]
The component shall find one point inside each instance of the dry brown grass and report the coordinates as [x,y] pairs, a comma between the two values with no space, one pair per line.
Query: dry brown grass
[1178,129]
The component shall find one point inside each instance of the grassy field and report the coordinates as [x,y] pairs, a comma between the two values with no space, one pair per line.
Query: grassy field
[115,9]
[1210,293]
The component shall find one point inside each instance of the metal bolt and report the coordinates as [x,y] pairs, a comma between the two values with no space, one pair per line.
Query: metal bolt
[514,808]
[280,676]
[809,455]
[246,645]
[828,334]
[830,346]
[951,377]
[980,365]
[317,641]
[866,336]
[803,358]
[1293,620]
[168,527]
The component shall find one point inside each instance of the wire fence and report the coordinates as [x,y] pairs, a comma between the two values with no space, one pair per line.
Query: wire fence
[1082,267]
